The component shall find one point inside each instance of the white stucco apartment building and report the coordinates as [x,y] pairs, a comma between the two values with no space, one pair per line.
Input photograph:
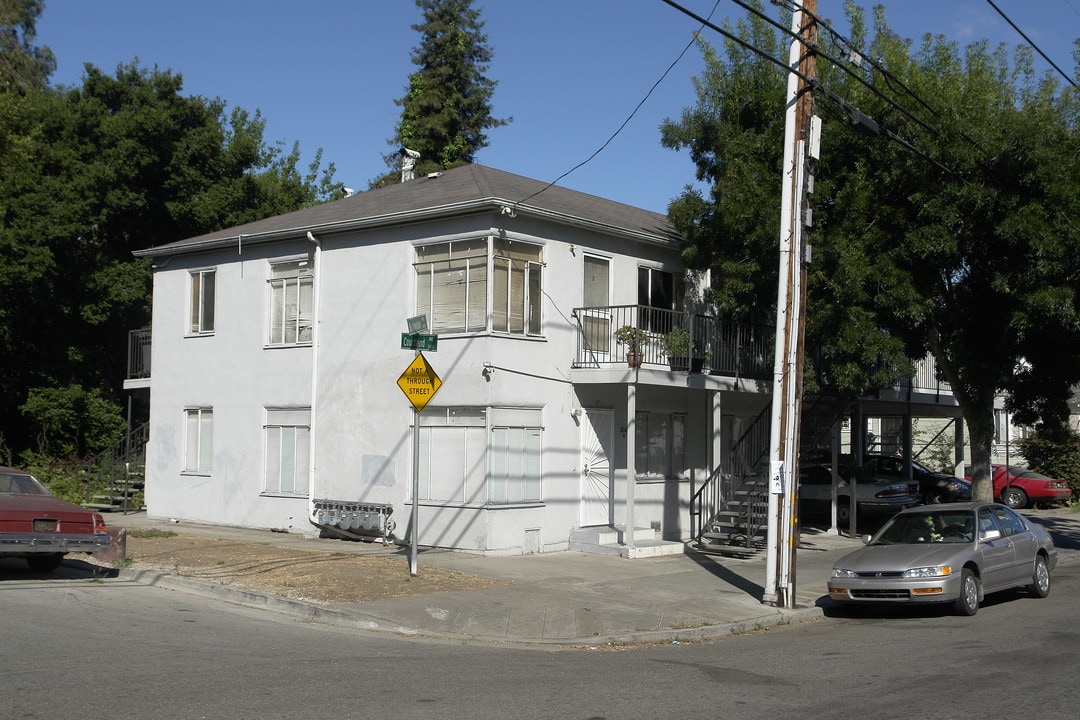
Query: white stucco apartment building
[277,347]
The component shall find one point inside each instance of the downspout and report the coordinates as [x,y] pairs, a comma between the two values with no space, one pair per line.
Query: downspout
[315,319]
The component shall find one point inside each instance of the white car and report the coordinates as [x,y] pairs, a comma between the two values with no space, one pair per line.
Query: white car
[878,497]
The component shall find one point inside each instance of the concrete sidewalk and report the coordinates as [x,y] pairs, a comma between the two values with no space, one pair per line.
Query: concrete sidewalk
[565,598]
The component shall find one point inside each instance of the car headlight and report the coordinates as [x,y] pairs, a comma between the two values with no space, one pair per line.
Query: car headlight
[928,572]
[955,487]
[842,573]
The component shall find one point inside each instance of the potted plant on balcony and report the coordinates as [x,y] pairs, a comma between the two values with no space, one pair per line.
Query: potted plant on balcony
[677,347]
[634,339]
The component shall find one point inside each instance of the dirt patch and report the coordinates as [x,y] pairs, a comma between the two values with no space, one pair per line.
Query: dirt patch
[323,577]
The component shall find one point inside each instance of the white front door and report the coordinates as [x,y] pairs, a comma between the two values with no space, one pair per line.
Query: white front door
[597,476]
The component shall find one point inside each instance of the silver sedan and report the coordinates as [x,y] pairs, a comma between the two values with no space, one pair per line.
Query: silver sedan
[957,552]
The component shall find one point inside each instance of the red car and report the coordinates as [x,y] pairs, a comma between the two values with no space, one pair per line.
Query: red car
[1019,487]
[42,528]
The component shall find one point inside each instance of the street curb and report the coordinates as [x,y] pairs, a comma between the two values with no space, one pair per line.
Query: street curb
[357,620]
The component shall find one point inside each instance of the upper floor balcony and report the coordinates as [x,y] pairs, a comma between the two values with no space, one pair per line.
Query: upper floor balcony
[138,359]
[623,336]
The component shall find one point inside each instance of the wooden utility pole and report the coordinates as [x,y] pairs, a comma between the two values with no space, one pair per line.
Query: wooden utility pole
[791,298]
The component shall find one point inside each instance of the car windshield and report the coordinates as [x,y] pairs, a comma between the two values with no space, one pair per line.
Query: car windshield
[943,526]
[20,484]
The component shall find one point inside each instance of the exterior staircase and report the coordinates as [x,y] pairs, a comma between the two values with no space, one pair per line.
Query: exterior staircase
[115,478]
[731,507]
[735,499]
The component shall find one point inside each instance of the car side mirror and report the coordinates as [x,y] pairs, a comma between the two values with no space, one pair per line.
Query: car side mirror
[988,535]
[865,539]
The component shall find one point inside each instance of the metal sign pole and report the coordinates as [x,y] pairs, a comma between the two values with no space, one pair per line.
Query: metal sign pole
[415,490]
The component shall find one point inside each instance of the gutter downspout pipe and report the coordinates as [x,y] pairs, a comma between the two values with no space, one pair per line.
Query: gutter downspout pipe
[313,422]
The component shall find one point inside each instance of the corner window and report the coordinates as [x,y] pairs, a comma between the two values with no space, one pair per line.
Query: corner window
[291,320]
[479,455]
[201,314]
[516,286]
[198,441]
[452,446]
[514,455]
[453,281]
[288,442]
[451,285]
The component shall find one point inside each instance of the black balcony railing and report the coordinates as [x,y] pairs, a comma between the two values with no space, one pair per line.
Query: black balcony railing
[138,364]
[676,340]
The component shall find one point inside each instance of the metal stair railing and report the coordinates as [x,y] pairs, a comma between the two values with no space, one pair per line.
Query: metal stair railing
[741,464]
[113,474]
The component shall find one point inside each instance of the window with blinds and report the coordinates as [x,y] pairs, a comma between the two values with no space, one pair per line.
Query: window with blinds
[453,279]
[291,295]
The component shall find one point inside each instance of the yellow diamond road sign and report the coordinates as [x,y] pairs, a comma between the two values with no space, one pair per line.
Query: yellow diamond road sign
[419,382]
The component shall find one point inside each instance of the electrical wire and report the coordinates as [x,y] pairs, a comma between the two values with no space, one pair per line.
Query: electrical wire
[856,117]
[1032,44]
[629,117]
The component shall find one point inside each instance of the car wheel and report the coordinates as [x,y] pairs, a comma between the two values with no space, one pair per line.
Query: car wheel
[843,511]
[968,602]
[46,562]
[1040,578]
[933,498]
[1015,498]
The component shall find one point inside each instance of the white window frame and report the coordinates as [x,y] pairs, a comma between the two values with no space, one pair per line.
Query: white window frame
[452,448]
[653,461]
[514,467]
[481,456]
[480,285]
[516,310]
[287,448]
[290,285]
[203,285]
[198,440]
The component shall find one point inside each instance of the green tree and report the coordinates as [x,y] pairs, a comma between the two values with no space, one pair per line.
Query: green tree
[89,174]
[943,243]
[23,66]
[446,110]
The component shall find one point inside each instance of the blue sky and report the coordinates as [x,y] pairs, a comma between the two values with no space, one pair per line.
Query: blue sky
[570,72]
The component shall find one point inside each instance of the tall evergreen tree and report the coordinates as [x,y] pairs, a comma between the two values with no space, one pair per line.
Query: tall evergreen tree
[446,110]
[961,240]
[23,66]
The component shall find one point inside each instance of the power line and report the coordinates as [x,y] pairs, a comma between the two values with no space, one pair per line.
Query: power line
[1032,44]
[630,116]
[856,118]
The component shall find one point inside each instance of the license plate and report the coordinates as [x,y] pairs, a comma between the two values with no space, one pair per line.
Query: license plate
[45,525]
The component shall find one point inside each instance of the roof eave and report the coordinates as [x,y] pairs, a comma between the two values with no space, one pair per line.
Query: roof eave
[400,218]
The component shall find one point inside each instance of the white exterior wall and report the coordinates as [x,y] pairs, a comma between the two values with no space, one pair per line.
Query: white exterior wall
[361,434]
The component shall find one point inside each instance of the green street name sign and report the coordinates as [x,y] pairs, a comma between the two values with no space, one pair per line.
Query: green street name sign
[410,341]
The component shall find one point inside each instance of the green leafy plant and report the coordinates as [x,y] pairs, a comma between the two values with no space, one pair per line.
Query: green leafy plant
[633,338]
[677,343]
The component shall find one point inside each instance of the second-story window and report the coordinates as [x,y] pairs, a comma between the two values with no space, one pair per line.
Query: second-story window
[453,280]
[201,315]
[291,294]
[516,283]
[451,285]
[660,290]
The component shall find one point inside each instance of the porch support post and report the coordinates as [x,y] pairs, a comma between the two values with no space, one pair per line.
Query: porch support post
[715,444]
[631,468]
[858,450]
[906,441]
[958,447]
